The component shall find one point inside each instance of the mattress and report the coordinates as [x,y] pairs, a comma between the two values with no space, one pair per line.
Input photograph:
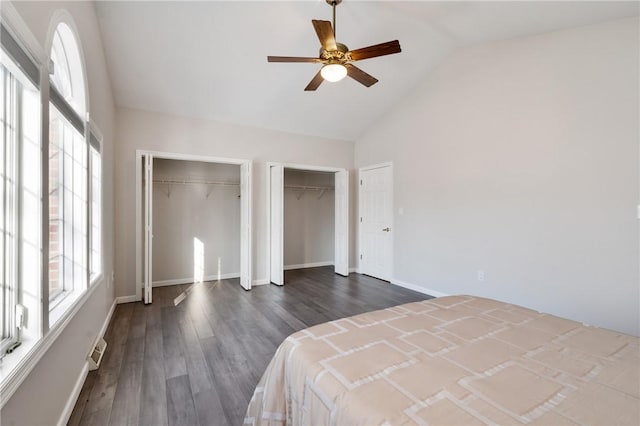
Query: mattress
[451,360]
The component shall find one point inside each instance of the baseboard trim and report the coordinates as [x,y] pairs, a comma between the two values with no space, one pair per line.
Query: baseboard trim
[77,388]
[262,281]
[418,288]
[307,265]
[103,330]
[71,402]
[352,270]
[190,279]
[126,299]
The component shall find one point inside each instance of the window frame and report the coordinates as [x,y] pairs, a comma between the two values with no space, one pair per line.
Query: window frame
[11,214]
[95,145]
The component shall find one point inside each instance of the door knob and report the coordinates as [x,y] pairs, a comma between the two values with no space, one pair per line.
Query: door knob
[387,229]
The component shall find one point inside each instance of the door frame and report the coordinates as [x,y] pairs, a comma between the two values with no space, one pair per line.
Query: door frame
[147,224]
[393,215]
[187,157]
[303,167]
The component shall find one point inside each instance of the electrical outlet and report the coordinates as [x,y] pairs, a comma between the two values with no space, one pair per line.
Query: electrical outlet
[480,275]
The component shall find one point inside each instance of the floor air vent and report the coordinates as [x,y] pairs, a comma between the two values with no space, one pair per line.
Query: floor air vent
[96,354]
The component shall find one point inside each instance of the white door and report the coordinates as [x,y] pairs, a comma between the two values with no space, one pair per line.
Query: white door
[147,226]
[341,239]
[376,210]
[277,225]
[245,225]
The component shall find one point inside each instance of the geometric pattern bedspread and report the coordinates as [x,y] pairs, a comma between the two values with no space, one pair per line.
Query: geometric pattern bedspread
[451,360]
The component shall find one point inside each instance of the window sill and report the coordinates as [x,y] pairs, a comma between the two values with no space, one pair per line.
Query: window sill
[66,302]
[94,280]
[16,366]
[12,363]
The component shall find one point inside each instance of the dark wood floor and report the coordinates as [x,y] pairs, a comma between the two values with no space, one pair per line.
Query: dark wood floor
[195,355]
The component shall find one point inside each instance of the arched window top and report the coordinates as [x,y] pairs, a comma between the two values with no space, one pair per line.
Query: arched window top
[67,76]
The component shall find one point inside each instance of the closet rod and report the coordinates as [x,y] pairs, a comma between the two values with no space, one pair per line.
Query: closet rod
[310,188]
[203,182]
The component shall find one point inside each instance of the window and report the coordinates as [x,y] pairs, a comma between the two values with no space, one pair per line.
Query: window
[67,77]
[8,215]
[67,209]
[74,179]
[20,219]
[71,191]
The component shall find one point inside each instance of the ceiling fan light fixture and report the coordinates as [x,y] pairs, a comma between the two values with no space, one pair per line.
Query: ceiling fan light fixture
[333,72]
[336,57]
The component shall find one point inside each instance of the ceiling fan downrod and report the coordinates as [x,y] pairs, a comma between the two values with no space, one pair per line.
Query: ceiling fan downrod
[333,4]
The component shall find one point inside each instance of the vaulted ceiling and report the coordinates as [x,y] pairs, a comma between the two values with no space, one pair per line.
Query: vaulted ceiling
[208,59]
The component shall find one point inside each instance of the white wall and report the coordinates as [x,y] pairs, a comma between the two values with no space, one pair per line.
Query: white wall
[520,158]
[159,132]
[182,213]
[42,396]
[309,219]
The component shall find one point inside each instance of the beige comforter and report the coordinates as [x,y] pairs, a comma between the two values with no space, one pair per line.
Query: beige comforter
[452,360]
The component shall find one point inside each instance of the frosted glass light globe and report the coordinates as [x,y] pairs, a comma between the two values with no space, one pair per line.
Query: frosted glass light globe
[333,72]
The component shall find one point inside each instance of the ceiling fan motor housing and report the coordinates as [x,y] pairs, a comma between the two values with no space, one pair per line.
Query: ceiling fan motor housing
[337,56]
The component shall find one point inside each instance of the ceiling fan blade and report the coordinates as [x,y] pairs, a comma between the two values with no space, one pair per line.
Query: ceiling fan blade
[381,49]
[314,83]
[325,34]
[292,59]
[360,76]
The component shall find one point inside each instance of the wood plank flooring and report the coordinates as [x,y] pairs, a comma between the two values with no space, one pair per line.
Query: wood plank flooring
[195,355]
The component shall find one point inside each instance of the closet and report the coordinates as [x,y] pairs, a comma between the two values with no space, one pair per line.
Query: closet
[309,217]
[193,220]
[196,222]
[307,193]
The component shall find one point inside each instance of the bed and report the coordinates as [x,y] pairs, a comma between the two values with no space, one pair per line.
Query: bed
[451,360]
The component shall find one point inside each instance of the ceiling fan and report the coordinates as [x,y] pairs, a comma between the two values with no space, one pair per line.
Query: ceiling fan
[337,57]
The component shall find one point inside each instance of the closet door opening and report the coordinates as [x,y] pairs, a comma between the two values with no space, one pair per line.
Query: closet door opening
[308,220]
[194,221]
